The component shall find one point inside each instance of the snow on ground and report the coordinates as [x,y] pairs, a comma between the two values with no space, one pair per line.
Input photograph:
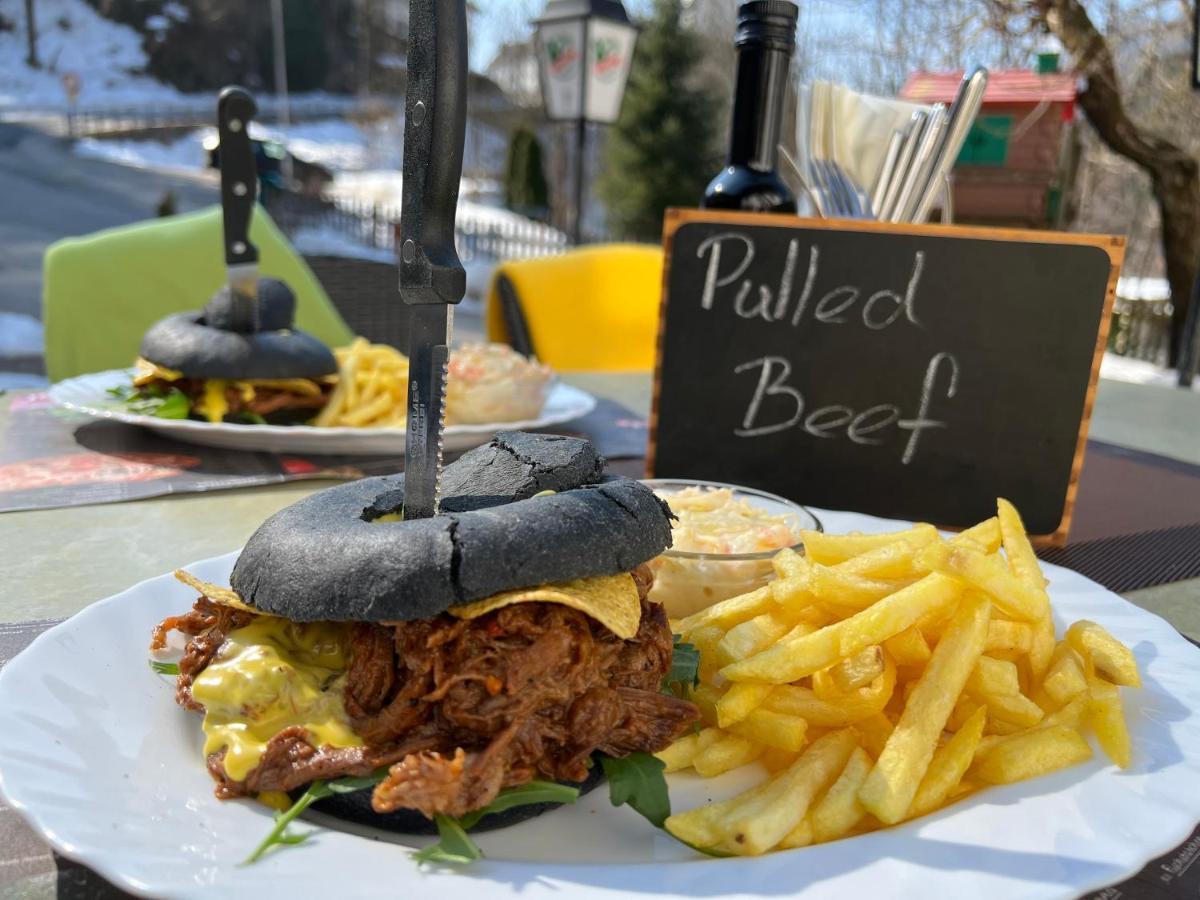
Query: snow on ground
[336,144]
[73,37]
[179,154]
[385,187]
[1137,371]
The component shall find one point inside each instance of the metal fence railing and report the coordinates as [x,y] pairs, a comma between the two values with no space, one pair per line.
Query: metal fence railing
[1141,329]
[374,225]
[91,120]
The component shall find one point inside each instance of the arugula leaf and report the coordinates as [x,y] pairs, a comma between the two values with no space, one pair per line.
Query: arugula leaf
[455,846]
[164,668]
[318,790]
[245,417]
[685,668]
[637,779]
[153,400]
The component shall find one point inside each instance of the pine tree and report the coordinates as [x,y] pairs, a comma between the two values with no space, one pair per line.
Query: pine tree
[660,153]
[525,188]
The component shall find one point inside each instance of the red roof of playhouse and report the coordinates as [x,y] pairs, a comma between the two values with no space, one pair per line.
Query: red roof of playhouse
[1008,86]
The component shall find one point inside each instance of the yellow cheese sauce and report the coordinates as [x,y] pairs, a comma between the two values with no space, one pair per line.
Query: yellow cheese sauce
[268,676]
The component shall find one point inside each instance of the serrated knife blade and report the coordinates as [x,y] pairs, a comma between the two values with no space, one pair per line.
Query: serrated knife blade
[431,275]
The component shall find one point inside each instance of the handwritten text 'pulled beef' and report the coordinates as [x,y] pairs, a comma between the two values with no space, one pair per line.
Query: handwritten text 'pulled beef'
[775,403]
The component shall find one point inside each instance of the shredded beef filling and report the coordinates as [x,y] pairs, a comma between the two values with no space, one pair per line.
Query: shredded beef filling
[460,709]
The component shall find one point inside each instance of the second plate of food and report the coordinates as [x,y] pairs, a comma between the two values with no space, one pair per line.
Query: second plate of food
[92,395]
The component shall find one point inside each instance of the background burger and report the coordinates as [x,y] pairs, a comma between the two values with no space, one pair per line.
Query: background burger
[195,364]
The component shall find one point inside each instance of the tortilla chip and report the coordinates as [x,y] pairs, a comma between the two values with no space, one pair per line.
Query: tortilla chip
[611,600]
[224,596]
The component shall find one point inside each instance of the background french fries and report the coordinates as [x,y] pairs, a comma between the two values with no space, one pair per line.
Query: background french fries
[372,388]
[882,677]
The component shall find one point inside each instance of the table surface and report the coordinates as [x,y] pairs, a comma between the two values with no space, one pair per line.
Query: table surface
[55,562]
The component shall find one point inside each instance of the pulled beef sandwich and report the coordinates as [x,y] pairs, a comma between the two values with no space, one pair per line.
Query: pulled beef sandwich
[506,639]
[197,364]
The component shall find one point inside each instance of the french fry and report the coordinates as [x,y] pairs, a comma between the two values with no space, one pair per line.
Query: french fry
[787,563]
[758,825]
[888,562]
[705,639]
[873,732]
[775,760]
[1070,716]
[800,836]
[985,573]
[1064,680]
[752,636]
[889,789]
[1005,636]
[1107,717]
[849,709]
[994,677]
[840,810]
[950,762]
[1024,564]
[1028,755]
[829,549]
[681,753]
[772,729]
[1015,709]
[792,593]
[706,697]
[731,612]
[846,594]
[739,700]
[964,709]
[909,647]
[794,659]
[725,753]
[985,536]
[849,674]
[1111,658]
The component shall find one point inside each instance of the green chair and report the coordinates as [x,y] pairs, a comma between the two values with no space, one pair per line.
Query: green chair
[101,292]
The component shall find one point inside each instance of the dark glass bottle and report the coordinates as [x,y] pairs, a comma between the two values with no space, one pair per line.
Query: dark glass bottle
[766,37]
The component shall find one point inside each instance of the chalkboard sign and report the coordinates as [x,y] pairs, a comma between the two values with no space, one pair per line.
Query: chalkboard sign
[914,372]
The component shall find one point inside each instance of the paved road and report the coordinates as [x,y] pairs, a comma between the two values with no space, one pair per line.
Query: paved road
[48,193]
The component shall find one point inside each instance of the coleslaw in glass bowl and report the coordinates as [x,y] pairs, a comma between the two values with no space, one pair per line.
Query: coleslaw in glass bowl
[724,540]
[494,383]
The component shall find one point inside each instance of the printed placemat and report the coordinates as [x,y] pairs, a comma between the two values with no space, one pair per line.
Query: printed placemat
[51,458]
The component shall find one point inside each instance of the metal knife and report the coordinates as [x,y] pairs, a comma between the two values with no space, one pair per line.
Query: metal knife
[239,190]
[432,278]
[962,114]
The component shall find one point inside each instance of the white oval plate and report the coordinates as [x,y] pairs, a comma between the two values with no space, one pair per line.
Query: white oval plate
[95,753]
[88,394]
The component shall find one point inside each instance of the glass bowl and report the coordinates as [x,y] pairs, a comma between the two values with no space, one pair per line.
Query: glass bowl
[687,581]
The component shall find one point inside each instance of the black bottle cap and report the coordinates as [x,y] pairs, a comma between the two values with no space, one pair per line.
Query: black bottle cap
[767,23]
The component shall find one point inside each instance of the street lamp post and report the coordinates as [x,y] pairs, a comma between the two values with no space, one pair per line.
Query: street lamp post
[584,52]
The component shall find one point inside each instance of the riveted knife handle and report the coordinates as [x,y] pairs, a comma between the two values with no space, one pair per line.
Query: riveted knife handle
[434,128]
[239,177]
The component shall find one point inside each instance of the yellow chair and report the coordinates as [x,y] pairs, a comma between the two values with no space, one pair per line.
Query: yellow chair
[590,309]
[101,292]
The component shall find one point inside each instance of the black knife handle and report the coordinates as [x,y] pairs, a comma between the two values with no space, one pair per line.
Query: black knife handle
[435,120]
[239,176]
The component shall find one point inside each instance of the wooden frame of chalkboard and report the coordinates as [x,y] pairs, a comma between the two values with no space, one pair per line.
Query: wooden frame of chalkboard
[907,371]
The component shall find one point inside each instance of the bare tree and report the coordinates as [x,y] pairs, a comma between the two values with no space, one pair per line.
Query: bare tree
[1173,170]
[31,57]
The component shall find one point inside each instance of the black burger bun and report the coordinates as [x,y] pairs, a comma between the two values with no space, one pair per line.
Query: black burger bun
[356,807]
[329,557]
[203,344]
